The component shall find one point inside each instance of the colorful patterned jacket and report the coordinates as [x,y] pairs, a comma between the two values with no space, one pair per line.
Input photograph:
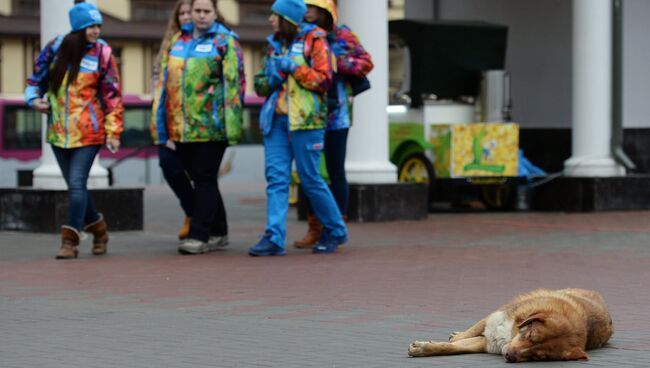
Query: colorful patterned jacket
[86,111]
[302,95]
[201,88]
[352,64]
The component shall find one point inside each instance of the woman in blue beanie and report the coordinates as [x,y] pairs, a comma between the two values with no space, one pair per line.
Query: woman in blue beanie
[76,83]
[294,78]
[353,63]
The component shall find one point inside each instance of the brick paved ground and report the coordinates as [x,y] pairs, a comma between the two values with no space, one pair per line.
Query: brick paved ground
[144,305]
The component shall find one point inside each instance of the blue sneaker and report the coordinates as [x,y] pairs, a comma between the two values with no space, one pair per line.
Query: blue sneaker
[328,244]
[265,247]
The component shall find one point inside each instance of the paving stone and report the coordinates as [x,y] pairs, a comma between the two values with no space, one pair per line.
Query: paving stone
[144,305]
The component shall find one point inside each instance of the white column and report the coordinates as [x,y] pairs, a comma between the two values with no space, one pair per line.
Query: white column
[367,151]
[54,21]
[592,91]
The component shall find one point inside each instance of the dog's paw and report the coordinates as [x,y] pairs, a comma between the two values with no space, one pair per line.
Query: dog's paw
[453,336]
[417,348]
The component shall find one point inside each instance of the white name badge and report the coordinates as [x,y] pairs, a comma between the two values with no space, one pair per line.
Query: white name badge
[204,48]
[297,48]
[89,64]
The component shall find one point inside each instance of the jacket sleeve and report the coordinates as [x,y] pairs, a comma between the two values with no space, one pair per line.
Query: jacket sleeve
[111,95]
[37,83]
[354,59]
[262,82]
[318,75]
[240,69]
[234,88]
[158,126]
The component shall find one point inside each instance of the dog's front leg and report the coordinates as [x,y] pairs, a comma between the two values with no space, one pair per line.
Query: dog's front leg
[474,331]
[466,346]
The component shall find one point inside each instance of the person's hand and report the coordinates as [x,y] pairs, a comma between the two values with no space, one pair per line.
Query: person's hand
[41,105]
[285,64]
[170,144]
[275,76]
[113,144]
[337,49]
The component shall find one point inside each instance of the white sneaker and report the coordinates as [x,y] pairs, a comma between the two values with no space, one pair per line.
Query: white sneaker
[192,246]
[217,242]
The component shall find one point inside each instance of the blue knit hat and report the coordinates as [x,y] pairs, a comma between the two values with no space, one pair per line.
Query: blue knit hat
[84,15]
[291,10]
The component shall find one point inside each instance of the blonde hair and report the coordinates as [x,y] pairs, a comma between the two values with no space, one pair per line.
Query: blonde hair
[173,26]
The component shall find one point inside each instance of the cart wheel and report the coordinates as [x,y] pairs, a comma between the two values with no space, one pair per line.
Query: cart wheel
[498,196]
[417,168]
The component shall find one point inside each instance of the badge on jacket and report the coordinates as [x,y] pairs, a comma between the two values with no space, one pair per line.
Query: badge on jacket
[89,64]
[298,48]
[204,48]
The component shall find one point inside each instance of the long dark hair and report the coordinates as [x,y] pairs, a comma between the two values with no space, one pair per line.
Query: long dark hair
[68,59]
[287,31]
[324,19]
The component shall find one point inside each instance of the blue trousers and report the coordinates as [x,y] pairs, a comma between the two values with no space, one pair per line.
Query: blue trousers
[335,148]
[281,147]
[75,164]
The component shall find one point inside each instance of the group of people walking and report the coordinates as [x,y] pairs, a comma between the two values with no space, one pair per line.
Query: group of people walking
[310,73]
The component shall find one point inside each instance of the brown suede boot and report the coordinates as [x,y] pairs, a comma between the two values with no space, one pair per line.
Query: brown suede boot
[313,233]
[100,235]
[69,243]
[185,230]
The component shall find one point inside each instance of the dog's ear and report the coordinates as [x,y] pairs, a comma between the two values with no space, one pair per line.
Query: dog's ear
[575,354]
[535,317]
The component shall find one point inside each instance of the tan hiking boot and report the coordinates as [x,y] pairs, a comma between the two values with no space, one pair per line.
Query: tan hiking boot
[184,232]
[100,235]
[69,243]
[313,233]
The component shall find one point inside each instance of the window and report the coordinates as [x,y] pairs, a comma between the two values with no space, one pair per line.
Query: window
[26,8]
[136,127]
[21,128]
[399,74]
[117,54]
[31,49]
[254,14]
[152,10]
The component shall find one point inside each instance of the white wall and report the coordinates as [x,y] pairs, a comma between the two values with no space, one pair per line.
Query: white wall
[636,63]
[539,54]
[419,9]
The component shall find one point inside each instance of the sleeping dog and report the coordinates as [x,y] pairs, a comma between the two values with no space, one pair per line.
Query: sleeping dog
[539,325]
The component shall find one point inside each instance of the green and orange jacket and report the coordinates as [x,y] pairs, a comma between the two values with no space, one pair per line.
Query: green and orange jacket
[200,91]
[302,95]
[86,111]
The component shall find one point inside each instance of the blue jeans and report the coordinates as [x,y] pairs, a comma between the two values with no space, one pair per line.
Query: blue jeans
[305,146]
[75,164]
[174,172]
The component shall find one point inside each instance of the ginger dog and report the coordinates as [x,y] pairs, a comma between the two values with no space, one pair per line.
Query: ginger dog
[539,325]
